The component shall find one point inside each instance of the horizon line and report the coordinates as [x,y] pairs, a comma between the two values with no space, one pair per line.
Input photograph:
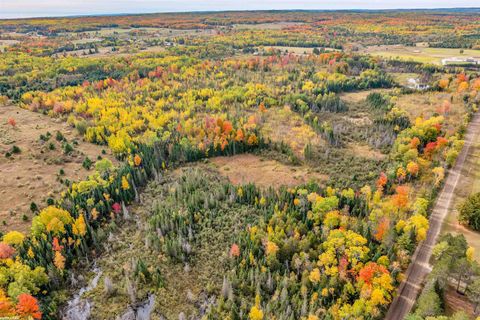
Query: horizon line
[81,15]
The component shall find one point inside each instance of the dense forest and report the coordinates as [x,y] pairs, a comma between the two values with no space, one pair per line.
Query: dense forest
[169,94]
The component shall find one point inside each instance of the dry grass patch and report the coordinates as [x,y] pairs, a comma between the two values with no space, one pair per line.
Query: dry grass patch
[248,168]
[359,96]
[283,124]
[266,26]
[366,151]
[33,174]
[426,104]
[7,43]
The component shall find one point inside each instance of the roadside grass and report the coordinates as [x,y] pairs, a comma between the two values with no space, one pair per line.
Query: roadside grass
[469,183]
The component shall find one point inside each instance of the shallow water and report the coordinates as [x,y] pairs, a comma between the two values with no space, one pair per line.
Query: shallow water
[79,308]
[140,312]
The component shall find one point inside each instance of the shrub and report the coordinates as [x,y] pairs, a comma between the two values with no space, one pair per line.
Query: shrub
[13,238]
[67,148]
[81,127]
[470,211]
[33,207]
[87,163]
[15,150]
[59,136]
[51,219]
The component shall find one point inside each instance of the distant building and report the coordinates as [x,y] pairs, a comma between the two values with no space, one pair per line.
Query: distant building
[455,60]
[415,84]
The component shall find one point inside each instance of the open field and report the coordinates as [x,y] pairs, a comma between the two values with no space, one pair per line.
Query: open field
[105,52]
[403,78]
[360,96]
[267,26]
[429,103]
[296,50]
[34,174]
[244,169]
[139,32]
[420,54]
[7,43]
[282,124]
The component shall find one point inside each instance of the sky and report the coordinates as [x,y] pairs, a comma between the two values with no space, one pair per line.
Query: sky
[43,8]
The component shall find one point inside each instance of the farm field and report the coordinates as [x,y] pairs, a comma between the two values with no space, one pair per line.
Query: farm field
[242,165]
[421,54]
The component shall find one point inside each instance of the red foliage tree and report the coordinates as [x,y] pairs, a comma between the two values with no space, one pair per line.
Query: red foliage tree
[27,307]
[382,228]
[6,251]
[382,181]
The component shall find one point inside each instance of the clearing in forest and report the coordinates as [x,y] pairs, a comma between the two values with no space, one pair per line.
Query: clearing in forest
[34,161]
[249,168]
[359,96]
[421,54]
[283,124]
[428,104]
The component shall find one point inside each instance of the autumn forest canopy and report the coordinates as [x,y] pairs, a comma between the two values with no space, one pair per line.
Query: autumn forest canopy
[233,165]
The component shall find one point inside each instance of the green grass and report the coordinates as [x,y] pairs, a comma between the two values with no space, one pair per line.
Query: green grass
[420,54]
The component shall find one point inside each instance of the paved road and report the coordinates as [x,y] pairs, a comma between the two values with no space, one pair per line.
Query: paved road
[420,267]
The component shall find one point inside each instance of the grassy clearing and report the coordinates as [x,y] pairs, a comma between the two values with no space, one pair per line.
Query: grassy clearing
[266,26]
[296,50]
[420,54]
[367,152]
[248,168]
[427,104]
[359,96]
[282,124]
[34,174]
[7,43]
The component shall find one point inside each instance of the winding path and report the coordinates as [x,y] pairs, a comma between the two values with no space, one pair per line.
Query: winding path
[420,266]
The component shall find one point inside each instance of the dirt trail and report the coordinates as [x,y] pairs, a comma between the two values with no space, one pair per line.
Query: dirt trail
[420,266]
